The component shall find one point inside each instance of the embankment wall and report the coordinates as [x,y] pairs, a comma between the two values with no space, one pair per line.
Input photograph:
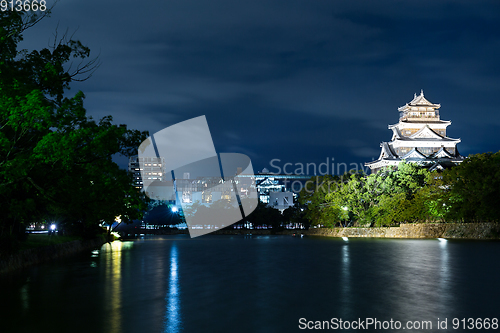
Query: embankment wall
[417,230]
[38,255]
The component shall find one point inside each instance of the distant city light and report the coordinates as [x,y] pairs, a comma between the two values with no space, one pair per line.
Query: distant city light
[52,227]
[174,209]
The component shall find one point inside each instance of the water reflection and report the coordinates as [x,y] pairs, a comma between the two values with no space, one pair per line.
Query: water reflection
[446,294]
[173,323]
[345,280]
[25,295]
[112,253]
[422,277]
[258,286]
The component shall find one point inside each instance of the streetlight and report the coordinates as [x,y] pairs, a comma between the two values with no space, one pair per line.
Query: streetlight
[52,228]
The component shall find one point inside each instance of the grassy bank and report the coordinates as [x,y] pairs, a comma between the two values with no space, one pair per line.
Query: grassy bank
[40,240]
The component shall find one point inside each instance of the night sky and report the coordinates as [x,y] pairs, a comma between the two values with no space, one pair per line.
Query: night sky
[299,81]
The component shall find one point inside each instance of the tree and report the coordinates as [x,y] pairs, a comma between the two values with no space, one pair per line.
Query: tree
[472,189]
[383,198]
[394,201]
[265,215]
[313,196]
[161,212]
[296,214]
[55,161]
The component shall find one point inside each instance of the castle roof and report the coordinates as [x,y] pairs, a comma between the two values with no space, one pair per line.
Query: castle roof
[427,139]
[413,154]
[405,123]
[386,151]
[419,100]
[442,153]
[425,132]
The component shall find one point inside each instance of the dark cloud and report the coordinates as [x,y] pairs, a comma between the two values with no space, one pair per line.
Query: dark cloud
[294,80]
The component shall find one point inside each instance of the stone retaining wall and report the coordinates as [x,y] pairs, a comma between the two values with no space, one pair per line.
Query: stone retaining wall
[417,230]
[413,230]
[38,255]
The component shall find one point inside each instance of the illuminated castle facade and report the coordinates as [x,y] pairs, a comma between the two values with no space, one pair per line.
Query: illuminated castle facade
[419,137]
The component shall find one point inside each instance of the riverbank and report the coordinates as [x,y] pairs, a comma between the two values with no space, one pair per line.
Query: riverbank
[412,230]
[415,230]
[39,255]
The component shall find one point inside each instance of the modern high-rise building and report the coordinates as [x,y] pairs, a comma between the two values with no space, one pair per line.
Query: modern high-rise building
[419,137]
[153,167]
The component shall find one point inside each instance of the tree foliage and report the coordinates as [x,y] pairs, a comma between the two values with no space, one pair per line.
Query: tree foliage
[296,216]
[55,161]
[313,196]
[471,190]
[265,215]
[468,192]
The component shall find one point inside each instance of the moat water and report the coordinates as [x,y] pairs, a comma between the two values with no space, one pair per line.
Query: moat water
[256,284]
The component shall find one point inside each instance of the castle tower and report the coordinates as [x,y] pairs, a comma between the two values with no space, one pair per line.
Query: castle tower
[419,137]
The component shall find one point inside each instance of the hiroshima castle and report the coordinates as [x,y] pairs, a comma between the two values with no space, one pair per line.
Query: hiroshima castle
[419,137]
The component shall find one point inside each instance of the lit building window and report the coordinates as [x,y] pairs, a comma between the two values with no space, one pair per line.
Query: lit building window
[207,197]
[186,197]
